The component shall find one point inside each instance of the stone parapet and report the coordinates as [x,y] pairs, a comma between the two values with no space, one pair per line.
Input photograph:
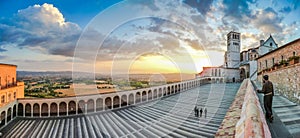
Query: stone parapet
[245,117]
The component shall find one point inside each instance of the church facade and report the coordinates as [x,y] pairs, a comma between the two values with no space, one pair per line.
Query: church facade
[239,65]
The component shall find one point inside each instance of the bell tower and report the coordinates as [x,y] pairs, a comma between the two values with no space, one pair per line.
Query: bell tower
[232,59]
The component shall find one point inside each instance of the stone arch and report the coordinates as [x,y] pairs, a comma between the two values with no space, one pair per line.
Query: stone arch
[62,108]
[144,96]
[53,109]
[90,105]
[137,97]
[15,111]
[27,109]
[36,109]
[169,90]
[99,104]
[45,109]
[8,116]
[108,103]
[20,109]
[81,107]
[131,99]
[172,89]
[72,108]
[149,95]
[178,88]
[164,91]
[116,101]
[160,92]
[155,94]
[2,118]
[124,100]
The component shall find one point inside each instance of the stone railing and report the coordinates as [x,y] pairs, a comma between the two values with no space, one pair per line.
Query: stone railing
[245,117]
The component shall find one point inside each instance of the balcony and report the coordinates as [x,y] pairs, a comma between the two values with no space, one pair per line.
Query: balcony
[10,85]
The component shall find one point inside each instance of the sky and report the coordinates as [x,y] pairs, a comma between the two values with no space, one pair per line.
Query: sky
[137,36]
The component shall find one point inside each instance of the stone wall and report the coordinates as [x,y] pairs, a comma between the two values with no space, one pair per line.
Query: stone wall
[245,117]
[286,81]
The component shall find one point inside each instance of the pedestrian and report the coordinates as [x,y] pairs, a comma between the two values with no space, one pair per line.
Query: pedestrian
[205,112]
[268,92]
[201,112]
[195,110]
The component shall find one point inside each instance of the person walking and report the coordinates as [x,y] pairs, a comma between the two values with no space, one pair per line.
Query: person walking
[195,110]
[268,92]
[201,112]
[205,112]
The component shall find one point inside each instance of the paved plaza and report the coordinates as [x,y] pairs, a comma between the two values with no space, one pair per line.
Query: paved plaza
[171,116]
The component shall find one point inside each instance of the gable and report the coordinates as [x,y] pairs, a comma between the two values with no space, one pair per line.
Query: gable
[270,42]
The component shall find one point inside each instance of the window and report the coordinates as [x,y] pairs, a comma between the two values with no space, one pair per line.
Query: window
[281,57]
[259,65]
[273,61]
[294,53]
[266,64]
[9,97]
[271,44]
[2,99]
[15,95]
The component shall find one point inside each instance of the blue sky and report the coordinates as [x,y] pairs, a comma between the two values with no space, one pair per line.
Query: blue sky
[124,36]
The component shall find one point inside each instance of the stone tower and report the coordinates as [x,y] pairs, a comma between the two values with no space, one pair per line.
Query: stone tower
[232,57]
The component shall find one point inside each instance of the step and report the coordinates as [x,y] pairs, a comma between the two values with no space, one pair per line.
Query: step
[95,126]
[27,129]
[108,127]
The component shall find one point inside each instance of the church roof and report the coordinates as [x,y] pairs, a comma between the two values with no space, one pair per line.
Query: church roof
[279,48]
[270,38]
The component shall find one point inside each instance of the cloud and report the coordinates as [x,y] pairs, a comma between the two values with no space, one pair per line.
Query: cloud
[42,28]
[285,10]
[267,20]
[203,6]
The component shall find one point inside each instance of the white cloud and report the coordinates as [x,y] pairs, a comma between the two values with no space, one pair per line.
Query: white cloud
[42,28]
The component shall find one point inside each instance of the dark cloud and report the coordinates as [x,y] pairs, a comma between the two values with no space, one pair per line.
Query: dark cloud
[268,21]
[203,6]
[285,10]
[2,49]
[238,8]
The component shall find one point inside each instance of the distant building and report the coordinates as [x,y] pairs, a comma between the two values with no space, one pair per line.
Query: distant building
[10,89]
[229,72]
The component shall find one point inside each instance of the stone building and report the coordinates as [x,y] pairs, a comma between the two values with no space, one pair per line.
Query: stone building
[10,89]
[229,72]
[232,55]
[282,66]
[248,65]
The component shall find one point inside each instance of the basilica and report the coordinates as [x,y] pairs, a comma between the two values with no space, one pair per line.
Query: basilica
[238,64]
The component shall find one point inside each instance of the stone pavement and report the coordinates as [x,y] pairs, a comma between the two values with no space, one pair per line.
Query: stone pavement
[170,116]
[286,117]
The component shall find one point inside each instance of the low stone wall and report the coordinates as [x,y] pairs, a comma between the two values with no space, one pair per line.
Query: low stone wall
[245,117]
[286,81]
